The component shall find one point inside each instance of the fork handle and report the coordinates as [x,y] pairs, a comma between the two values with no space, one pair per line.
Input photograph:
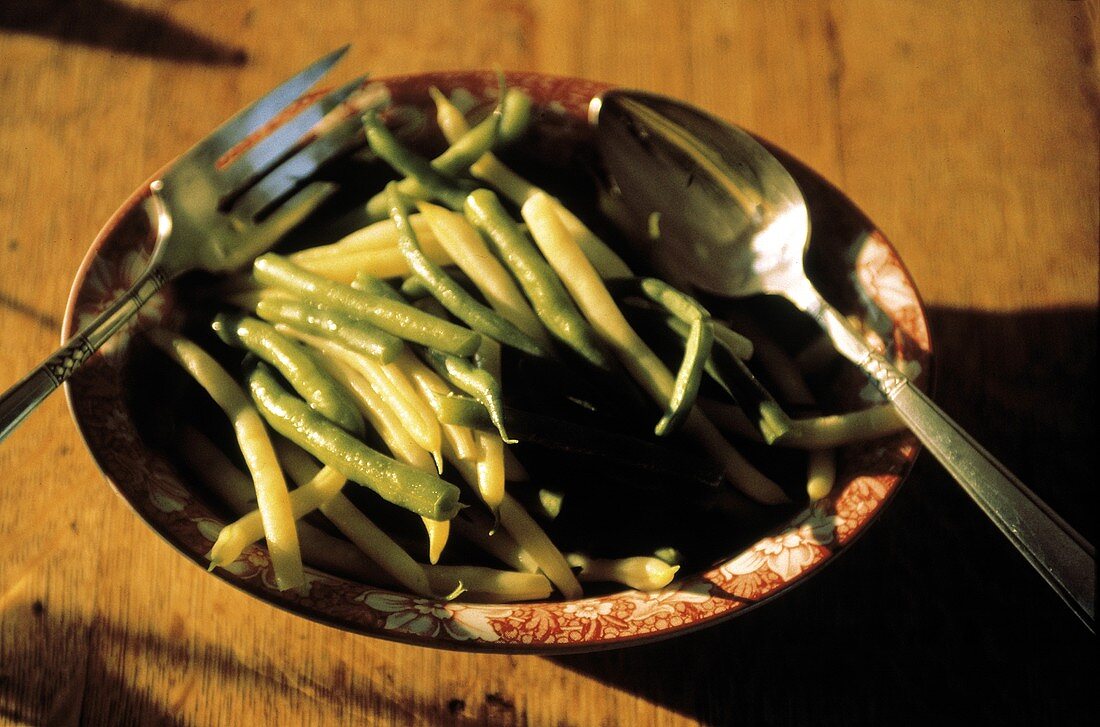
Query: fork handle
[20,400]
[1061,556]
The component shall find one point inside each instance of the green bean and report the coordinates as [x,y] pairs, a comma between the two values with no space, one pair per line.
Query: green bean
[763,416]
[399,483]
[433,389]
[685,388]
[477,527]
[488,168]
[464,412]
[399,319]
[683,330]
[482,270]
[416,418]
[515,115]
[248,528]
[593,298]
[476,382]
[427,179]
[737,344]
[489,585]
[376,286]
[550,502]
[537,279]
[531,540]
[640,572]
[374,236]
[473,144]
[355,526]
[697,349]
[383,263]
[378,546]
[206,459]
[391,425]
[490,464]
[821,473]
[605,260]
[414,288]
[423,180]
[444,289]
[674,301]
[669,555]
[248,299]
[314,385]
[356,335]
[756,401]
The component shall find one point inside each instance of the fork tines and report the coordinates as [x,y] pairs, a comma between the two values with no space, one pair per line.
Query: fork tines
[277,166]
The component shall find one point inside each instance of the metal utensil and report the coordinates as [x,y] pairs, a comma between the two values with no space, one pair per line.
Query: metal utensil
[216,215]
[734,222]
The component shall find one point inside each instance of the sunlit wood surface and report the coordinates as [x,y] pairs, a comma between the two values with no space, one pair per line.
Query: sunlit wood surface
[966,130]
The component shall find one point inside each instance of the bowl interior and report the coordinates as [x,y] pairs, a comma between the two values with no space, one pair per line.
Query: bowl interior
[122,400]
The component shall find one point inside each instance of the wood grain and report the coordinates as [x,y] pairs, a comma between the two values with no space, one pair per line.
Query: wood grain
[968,132]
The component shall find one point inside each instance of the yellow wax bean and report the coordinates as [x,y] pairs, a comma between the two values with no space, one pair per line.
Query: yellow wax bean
[358,528]
[376,236]
[642,572]
[383,262]
[396,438]
[488,585]
[373,541]
[532,539]
[468,250]
[259,454]
[497,543]
[416,418]
[247,529]
[596,304]
[432,388]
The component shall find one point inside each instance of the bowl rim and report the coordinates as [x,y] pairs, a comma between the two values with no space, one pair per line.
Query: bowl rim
[258,590]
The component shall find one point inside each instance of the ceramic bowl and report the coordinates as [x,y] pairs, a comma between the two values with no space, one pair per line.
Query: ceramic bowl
[849,258]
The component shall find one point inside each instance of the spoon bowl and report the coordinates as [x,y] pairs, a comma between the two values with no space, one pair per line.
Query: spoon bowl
[729,218]
[714,210]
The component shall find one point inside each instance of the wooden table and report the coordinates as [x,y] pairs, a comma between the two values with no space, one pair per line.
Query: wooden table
[967,130]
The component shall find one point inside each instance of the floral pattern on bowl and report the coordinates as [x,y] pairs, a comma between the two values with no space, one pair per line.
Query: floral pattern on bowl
[888,308]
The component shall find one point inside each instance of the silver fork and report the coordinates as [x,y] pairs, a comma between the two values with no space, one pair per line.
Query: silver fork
[218,219]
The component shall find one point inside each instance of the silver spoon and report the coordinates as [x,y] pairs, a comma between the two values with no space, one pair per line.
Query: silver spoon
[732,221]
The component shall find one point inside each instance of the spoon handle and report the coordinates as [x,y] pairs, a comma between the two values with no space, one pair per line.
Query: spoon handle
[1061,556]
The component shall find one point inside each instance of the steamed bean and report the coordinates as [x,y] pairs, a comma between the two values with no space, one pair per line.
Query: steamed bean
[296,365]
[399,319]
[405,486]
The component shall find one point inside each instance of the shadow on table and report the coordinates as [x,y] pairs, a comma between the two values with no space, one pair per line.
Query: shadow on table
[81,682]
[117,26]
[56,691]
[932,614]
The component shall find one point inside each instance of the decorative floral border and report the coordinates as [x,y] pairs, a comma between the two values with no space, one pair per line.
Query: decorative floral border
[867,475]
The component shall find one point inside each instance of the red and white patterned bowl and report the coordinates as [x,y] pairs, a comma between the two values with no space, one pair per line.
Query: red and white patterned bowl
[846,249]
